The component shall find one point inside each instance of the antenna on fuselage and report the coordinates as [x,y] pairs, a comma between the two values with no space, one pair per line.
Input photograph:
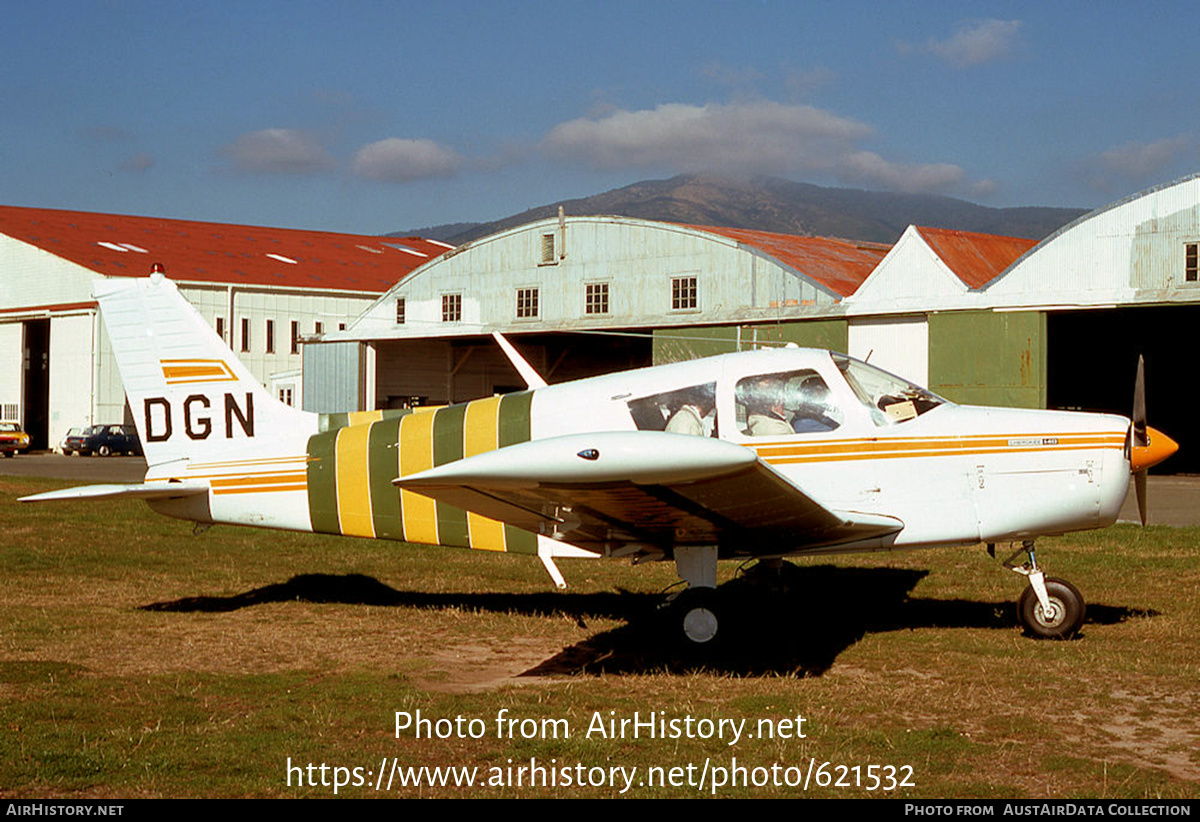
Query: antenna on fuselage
[532,378]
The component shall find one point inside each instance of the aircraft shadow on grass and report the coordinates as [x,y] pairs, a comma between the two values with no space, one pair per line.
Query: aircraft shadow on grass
[794,621]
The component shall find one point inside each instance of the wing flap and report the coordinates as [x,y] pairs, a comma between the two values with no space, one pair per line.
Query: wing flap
[608,488]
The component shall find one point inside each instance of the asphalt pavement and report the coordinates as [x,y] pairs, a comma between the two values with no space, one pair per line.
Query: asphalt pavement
[83,470]
[1174,500]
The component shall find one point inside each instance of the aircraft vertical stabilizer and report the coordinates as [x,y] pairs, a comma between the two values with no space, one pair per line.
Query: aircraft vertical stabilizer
[189,394]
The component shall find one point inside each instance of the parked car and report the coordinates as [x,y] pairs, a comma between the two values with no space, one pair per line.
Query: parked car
[62,444]
[104,440]
[12,439]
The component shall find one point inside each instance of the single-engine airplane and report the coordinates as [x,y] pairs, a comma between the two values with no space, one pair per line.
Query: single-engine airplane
[767,454]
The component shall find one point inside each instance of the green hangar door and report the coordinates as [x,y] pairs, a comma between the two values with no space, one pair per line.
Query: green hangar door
[1092,364]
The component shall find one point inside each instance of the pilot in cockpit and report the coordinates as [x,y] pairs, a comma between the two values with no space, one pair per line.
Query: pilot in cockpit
[808,400]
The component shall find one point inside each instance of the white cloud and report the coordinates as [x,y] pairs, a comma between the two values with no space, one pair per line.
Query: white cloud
[1136,160]
[398,160]
[870,169]
[1135,165]
[984,189]
[757,136]
[972,44]
[760,137]
[277,151]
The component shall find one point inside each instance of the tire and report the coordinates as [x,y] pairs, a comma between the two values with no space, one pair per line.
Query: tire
[1067,606]
[697,617]
[104,451]
[10,453]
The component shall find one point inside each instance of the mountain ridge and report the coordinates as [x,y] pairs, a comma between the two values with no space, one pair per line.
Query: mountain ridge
[783,206]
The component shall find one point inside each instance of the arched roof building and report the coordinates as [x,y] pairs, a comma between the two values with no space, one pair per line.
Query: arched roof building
[554,283]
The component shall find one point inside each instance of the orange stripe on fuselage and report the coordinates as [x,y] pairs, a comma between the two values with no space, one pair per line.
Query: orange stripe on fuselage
[258,483]
[916,447]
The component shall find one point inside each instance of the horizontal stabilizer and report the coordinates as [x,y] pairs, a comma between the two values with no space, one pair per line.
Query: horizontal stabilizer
[158,490]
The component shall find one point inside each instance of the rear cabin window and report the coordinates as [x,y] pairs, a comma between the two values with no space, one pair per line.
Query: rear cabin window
[691,410]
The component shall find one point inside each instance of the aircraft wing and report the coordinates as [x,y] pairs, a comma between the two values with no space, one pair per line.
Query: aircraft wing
[607,489]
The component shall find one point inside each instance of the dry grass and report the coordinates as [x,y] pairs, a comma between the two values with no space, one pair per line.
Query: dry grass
[139,660]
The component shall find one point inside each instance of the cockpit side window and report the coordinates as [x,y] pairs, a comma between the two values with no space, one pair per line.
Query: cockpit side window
[889,399]
[690,410]
[787,402]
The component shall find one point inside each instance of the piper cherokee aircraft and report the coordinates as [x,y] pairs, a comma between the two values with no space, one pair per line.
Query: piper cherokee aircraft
[767,454]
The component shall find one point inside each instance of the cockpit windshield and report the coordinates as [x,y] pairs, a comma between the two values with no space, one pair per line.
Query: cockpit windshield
[888,398]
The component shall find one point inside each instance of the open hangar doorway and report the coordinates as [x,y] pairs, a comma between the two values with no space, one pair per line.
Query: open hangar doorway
[436,371]
[1092,364]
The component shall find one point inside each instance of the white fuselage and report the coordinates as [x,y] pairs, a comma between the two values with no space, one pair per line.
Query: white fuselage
[953,475]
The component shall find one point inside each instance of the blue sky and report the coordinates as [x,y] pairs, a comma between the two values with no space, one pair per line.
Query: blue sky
[378,116]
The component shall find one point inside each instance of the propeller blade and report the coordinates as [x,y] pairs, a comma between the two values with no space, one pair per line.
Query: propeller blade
[1139,406]
[1139,484]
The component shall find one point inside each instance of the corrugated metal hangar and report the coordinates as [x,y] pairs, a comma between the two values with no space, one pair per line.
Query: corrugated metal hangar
[977,318]
[583,295]
[261,288]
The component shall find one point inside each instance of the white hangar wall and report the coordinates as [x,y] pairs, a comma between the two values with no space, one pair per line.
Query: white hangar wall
[12,337]
[426,339]
[84,384]
[1133,251]
[30,276]
[1118,283]
[910,278]
[635,263]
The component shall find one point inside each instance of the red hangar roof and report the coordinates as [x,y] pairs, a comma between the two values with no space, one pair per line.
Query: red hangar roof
[123,246]
[839,265]
[976,259]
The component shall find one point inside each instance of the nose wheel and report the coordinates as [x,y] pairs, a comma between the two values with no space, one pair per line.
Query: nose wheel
[1062,615]
[1050,608]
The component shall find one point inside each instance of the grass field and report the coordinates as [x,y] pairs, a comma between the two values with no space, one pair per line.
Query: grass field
[140,660]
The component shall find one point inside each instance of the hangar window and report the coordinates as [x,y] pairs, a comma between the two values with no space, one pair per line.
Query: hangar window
[684,294]
[270,336]
[527,303]
[1191,271]
[318,327]
[295,337]
[451,308]
[245,334]
[596,298]
[400,308]
[221,328]
[547,249]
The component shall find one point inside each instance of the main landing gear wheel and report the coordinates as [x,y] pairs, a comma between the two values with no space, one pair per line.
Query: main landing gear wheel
[697,617]
[1064,617]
